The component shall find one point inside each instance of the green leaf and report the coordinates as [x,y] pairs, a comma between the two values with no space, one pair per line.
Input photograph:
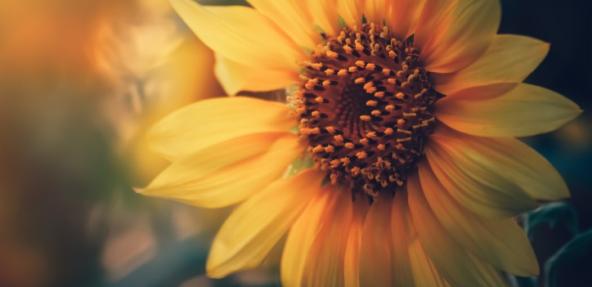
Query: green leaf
[552,215]
[570,266]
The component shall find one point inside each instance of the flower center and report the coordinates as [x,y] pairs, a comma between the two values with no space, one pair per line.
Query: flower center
[366,107]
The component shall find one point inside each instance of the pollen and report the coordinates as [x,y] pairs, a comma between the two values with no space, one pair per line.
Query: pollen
[366,108]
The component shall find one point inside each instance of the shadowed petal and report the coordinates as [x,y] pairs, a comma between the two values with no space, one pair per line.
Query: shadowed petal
[236,77]
[213,121]
[509,59]
[501,242]
[252,230]
[375,257]
[507,170]
[302,237]
[227,173]
[453,34]
[525,110]
[458,266]
[241,34]
[293,17]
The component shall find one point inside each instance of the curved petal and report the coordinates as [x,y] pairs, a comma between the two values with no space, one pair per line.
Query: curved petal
[484,196]
[374,10]
[324,15]
[221,175]
[351,262]
[241,34]
[350,11]
[292,17]
[213,121]
[403,17]
[523,111]
[509,59]
[236,77]
[252,230]
[375,257]
[302,236]
[500,242]
[403,234]
[210,159]
[453,34]
[459,267]
[424,272]
[509,167]
[325,264]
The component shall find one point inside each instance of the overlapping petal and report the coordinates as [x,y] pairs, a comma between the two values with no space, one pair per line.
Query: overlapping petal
[350,11]
[252,230]
[236,77]
[452,260]
[500,242]
[525,110]
[213,121]
[291,16]
[495,177]
[454,34]
[325,262]
[403,234]
[375,10]
[302,237]
[227,173]
[353,245]
[324,15]
[241,34]
[509,59]
[375,254]
[403,16]
[424,272]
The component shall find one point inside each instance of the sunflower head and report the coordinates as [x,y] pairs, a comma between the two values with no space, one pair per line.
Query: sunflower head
[414,105]
[366,106]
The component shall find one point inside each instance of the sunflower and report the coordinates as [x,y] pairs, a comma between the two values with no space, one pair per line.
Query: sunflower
[393,160]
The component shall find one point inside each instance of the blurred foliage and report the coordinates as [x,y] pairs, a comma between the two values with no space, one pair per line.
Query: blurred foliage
[553,216]
[570,266]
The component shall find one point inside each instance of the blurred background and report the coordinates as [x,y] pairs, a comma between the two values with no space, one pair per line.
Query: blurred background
[80,82]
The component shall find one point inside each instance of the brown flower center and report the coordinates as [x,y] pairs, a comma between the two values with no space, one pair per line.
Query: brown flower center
[366,107]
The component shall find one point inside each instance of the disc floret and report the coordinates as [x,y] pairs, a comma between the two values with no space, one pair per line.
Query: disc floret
[366,107]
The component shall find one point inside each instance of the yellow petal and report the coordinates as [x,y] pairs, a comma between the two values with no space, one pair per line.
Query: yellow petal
[240,34]
[325,262]
[324,15]
[403,16]
[354,244]
[452,260]
[403,234]
[350,11]
[236,77]
[484,196]
[507,166]
[292,17]
[523,111]
[213,158]
[375,10]
[424,272]
[302,236]
[500,242]
[252,230]
[453,34]
[212,121]
[375,257]
[509,59]
[223,181]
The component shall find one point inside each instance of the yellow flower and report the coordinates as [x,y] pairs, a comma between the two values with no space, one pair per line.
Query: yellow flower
[394,161]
